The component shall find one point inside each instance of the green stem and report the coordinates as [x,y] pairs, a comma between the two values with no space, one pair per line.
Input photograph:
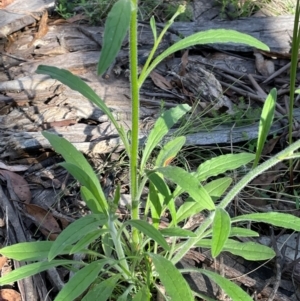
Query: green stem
[142,77]
[294,66]
[180,10]
[135,120]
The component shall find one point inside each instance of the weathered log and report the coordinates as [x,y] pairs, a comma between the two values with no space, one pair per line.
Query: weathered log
[21,13]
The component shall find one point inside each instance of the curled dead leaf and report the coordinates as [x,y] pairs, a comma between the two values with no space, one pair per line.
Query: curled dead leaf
[44,220]
[160,81]
[18,184]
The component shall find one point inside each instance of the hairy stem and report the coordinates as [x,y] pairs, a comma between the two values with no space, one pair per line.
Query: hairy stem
[135,120]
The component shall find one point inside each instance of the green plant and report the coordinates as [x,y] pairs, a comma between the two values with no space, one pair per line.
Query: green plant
[136,254]
[65,8]
[236,8]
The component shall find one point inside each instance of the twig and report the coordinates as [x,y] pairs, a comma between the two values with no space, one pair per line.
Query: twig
[278,265]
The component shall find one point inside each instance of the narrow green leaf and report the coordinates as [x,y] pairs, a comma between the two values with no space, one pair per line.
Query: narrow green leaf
[150,231]
[77,165]
[220,231]
[32,251]
[155,204]
[95,197]
[161,128]
[116,26]
[77,84]
[32,269]
[242,232]
[174,283]
[247,250]
[278,219]
[189,208]
[76,231]
[265,123]
[217,187]
[70,153]
[153,28]
[103,290]
[188,183]
[164,193]
[117,195]
[178,232]
[80,281]
[169,151]
[231,289]
[86,240]
[221,164]
[27,250]
[90,198]
[142,295]
[205,37]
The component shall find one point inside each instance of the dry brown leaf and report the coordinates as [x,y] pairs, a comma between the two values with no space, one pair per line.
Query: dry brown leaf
[14,167]
[43,28]
[160,81]
[9,295]
[269,146]
[271,175]
[184,62]
[18,184]
[45,221]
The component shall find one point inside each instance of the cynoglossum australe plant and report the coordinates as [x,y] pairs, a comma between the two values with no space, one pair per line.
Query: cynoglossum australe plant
[136,254]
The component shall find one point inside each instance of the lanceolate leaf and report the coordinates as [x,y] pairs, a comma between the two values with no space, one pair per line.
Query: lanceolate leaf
[231,289]
[77,84]
[150,231]
[80,281]
[174,283]
[278,219]
[265,123]
[28,250]
[142,295]
[178,232]
[155,204]
[76,231]
[103,290]
[188,183]
[247,250]
[79,167]
[242,232]
[32,269]
[220,231]
[86,240]
[220,164]
[115,30]
[217,187]
[164,193]
[206,37]
[90,200]
[189,208]
[153,28]
[161,128]
[169,151]
[93,192]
